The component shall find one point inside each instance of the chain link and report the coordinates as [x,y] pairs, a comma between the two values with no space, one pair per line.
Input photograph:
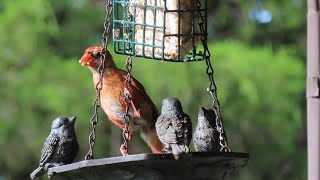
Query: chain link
[96,104]
[212,87]
[127,100]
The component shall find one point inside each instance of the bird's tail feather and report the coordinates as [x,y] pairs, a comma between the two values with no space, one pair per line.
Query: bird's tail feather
[37,173]
[152,139]
[177,150]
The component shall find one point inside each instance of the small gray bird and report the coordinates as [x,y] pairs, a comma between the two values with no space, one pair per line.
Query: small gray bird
[61,146]
[174,127]
[206,136]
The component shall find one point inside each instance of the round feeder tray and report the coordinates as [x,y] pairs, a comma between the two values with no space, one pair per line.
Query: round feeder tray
[195,165]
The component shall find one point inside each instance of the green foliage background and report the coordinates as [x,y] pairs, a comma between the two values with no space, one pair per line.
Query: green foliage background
[259,71]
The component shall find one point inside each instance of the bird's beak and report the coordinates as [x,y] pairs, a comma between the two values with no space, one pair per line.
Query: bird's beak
[86,60]
[201,111]
[72,119]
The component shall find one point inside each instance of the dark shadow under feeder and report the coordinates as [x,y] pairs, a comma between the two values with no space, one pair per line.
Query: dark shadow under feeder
[195,165]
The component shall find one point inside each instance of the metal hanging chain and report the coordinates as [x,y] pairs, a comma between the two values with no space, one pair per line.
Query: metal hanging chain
[216,108]
[96,104]
[127,100]
[212,88]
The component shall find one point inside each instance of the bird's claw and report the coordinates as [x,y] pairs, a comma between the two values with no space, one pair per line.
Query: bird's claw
[124,150]
[136,112]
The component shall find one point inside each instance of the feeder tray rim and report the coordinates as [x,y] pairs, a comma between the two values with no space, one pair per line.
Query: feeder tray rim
[141,157]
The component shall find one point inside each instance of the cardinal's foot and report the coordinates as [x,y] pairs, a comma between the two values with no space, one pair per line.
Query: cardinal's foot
[124,150]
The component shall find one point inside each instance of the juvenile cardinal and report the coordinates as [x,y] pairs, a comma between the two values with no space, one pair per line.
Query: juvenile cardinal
[143,112]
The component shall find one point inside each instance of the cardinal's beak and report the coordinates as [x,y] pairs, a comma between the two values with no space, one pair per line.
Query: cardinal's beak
[86,60]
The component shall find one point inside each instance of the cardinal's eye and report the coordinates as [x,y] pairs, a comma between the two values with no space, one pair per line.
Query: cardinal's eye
[96,54]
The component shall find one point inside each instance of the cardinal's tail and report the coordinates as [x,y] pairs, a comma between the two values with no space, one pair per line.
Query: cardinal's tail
[152,139]
[37,173]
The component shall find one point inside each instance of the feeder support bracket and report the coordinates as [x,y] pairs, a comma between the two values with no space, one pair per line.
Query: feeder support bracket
[313,100]
[313,87]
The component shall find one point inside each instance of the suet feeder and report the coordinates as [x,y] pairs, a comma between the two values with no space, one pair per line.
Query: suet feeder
[160,29]
[167,30]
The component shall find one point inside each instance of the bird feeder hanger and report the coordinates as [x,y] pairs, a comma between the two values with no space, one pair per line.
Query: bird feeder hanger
[195,165]
[96,104]
[124,27]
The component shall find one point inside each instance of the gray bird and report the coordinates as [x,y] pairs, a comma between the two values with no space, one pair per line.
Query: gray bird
[60,147]
[206,136]
[174,127]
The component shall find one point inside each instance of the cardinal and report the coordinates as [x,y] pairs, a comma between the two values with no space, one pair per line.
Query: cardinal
[142,111]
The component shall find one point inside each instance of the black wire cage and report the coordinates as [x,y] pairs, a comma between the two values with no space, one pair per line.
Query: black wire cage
[169,30]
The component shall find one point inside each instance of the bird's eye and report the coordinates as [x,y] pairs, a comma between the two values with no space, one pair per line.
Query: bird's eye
[98,54]
[95,54]
[56,125]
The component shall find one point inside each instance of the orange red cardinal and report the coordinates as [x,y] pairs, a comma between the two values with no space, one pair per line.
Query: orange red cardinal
[143,112]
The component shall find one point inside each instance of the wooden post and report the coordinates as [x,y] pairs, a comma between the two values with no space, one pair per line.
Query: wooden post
[313,93]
